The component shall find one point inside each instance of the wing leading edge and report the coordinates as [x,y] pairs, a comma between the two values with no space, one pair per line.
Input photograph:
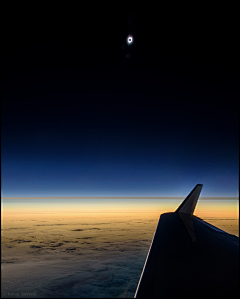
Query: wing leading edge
[189,258]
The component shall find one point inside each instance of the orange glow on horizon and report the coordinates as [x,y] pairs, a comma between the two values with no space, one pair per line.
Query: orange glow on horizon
[209,210]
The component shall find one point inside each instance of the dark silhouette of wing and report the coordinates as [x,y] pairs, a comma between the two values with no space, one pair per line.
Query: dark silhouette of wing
[190,258]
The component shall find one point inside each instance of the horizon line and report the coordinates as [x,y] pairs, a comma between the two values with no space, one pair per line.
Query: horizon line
[119,197]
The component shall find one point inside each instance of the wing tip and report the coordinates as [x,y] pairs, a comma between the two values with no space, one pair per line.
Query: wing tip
[190,202]
[186,209]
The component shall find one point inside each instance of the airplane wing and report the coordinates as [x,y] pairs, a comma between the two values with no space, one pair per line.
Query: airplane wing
[190,258]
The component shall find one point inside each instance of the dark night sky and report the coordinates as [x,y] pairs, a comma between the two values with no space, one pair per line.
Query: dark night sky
[80,119]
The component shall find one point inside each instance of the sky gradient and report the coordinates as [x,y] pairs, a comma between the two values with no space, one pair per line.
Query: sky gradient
[84,114]
[100,137]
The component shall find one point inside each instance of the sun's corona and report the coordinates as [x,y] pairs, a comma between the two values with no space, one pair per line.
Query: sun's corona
[129,40]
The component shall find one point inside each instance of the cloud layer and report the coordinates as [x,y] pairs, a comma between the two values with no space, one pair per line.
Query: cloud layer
[98,257]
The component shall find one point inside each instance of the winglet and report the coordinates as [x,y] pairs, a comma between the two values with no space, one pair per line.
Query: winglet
[190,202]
[186,209]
